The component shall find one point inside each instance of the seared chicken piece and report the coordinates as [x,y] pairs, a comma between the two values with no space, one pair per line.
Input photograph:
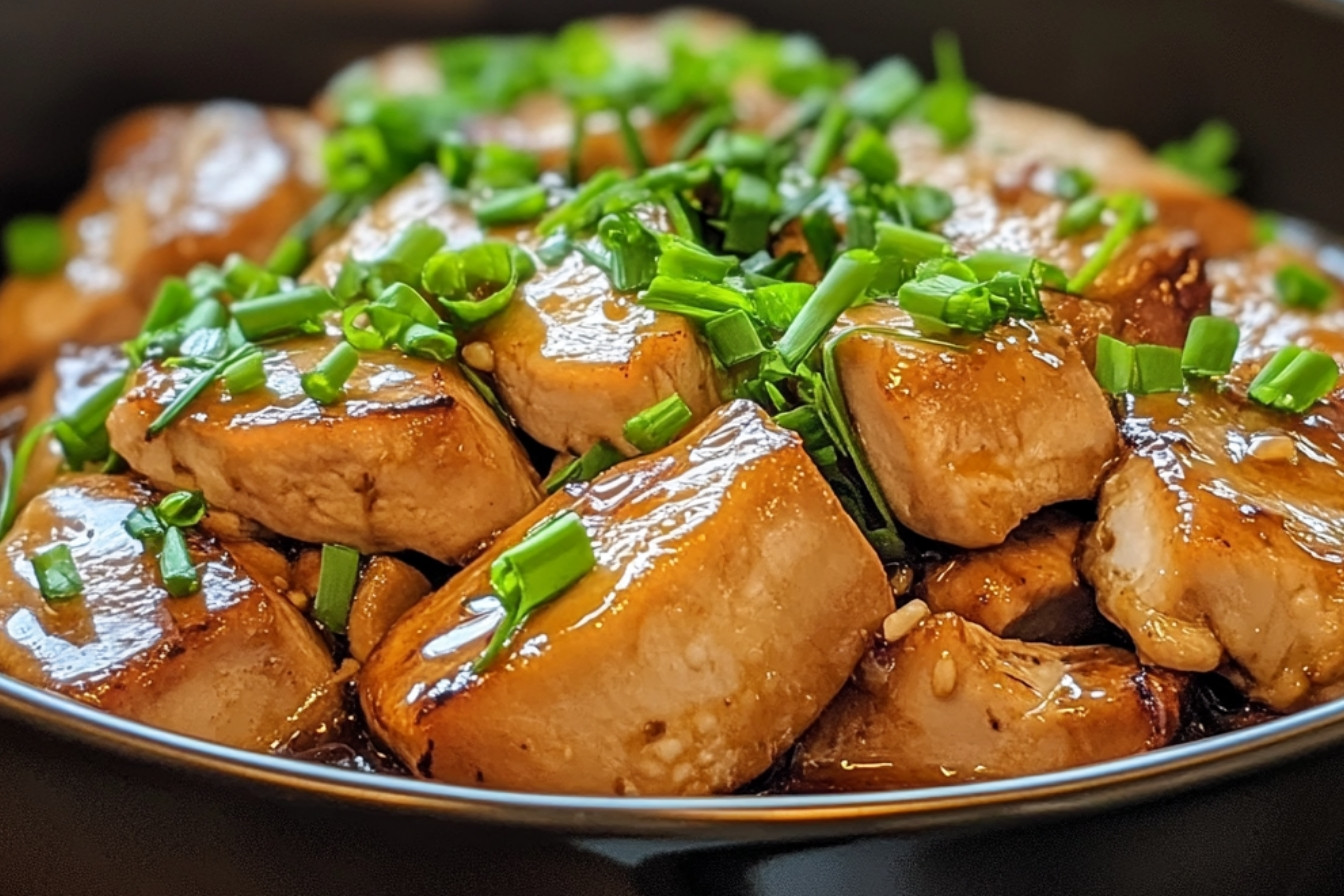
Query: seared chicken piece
[967,441]
[543,122]
[1027,588]
[572,358]
[1014,153]
[75,376]
[411,459]
[232,664]
[387,589]
[731,598]
[950,703]
[170,187]
[1221,538]
[1243,290]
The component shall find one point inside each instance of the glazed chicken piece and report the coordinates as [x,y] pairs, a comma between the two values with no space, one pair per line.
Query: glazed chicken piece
[387,589]
[543,122]
[572,358]
[1220,540]
[1243,290]
[950,703]
[75,376]
[412,458]
[968,439]
[234,663]
[171,187]
[1027,588]
[731,598]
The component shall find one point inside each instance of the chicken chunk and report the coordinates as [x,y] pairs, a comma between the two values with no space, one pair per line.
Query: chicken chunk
[542,122]
[1027,588]
[1243,290]
[951,703]
[1220,540]
[411,459]
[75,376]
[969,438]
[171,187]
[731,598]
[234,663]
[572,358]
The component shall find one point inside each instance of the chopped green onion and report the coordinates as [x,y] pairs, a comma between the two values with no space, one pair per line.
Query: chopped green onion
[403,301]
[779,303]
[901,250]
[336,580]
[458,278]
[176,569]
[869,154]
[356,159]
[294,309]
[143,524]
[953,301]
[57,577]
[1073,183]
[1115,365]
[927,204]
[172,302]
[632,250]
[634,150]
[402,259]
[193,390]
[826,140]
[1298,287]
[573,214]
[602,456]
[325,384]
[247,279]
[349,281]
[423,341]
[181,509]
[886,91]
[1205,156]
[1020,292]
[860,227]
[1210,346]
[359,329]
[1295,379]
[843,285]
[823,239]
[751,206]
[288,257]
[1131,213]
[455,157]
[692,298]
[733,338]
[947,101]
[512,206]
[548,561]
[1081,214]
[18,472]
[654,428]
[1157,368]
[986,263]
[700,130]
[684,259]
[500,167]
[34,245]
[1267,226]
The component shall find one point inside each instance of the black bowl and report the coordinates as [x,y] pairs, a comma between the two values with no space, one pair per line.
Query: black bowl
[96,805]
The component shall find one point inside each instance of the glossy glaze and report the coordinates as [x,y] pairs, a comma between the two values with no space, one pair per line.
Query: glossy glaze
[964,440]
[730,600]
[951,703]
[231,663]
[171,186]
[1243,290]
[411,458]
[1221,537]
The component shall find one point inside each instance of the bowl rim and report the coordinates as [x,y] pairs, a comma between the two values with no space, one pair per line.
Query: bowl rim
[1113,784]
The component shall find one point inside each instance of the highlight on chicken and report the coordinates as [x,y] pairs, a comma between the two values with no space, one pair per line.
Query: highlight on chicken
[667,407]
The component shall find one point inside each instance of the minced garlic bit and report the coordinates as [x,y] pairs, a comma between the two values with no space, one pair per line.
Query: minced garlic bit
[900,580]
[944,676]
[479,356]
[899,624]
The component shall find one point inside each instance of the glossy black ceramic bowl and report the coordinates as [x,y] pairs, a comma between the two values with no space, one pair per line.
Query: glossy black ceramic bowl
[91,804]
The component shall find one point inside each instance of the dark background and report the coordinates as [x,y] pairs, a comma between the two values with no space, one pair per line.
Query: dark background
[1273,68]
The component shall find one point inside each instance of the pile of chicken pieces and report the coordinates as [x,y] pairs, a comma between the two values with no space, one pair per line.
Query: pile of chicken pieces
[736,617]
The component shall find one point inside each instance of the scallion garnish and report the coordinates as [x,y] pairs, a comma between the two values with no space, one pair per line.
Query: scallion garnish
[1157,368]
[422,341]
[193,389]
[57,577]
[886,91]
[695,299]
[683,259]
[34,245]
[245,374]
[325,383]
[181,508]
[1131,213]
[751,203]
[1073,183]
[1298,287]
[632,251]
[733,338]
[947,101]
[901,250]
[1205,156]
[842,286]
[600,457]
[1295,379]
[1081,214]
[176,568]
[869,154]
[822,236]
[552,557]
[172,302]
[826,140]
[655,427]
[336,582]
[513,206]
[283,312]
[1114,367]
[403,258]
[701,129]
[1210,346]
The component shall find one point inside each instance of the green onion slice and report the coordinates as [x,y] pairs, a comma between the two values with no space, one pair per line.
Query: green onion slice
[34,245]
[655,427]
[1157,368]
[1295,379]
[336,583]
[733,338]
[1210,346]
[294,309]
[602,456]
[512,206]
[325,383]
[175,565]
[57,577]
[1115,365]
[843,285]
[181,508]
[1131,213]
[1298,287]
